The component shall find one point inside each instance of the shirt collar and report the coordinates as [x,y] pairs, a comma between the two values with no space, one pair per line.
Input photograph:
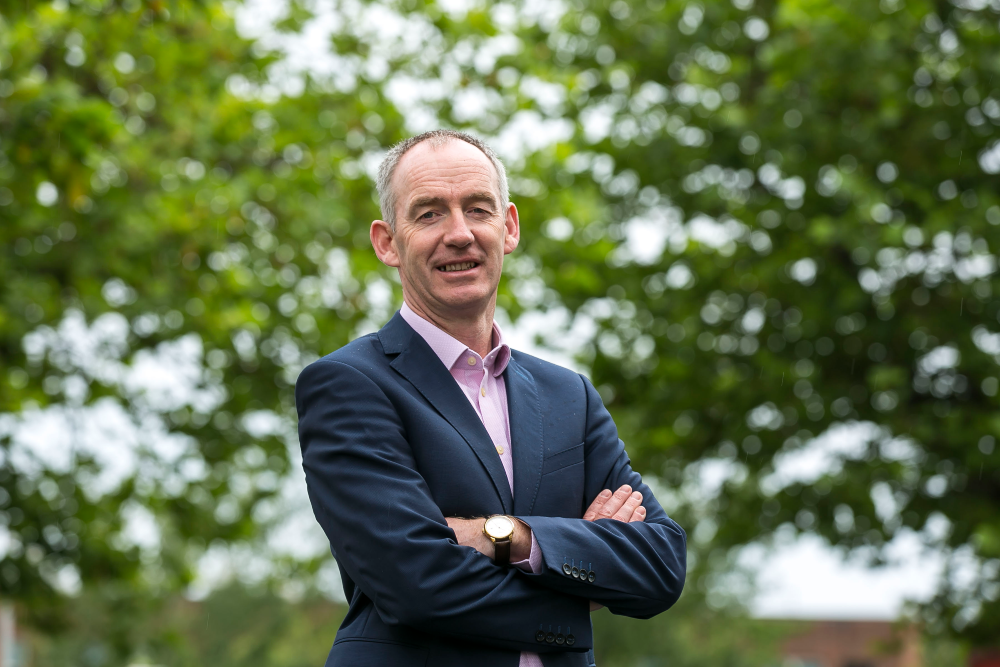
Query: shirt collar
[448,349]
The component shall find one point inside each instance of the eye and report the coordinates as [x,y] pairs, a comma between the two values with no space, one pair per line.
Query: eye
[427,216]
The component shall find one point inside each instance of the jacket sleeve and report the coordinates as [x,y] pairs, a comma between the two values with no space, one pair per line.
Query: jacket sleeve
[392,539]
[634,569]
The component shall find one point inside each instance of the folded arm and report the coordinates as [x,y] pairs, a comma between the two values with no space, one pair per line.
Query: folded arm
[634,568]
[622,505]
[391,538]
[624,553]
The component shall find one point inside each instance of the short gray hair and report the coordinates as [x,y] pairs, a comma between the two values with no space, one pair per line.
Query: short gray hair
[386,194]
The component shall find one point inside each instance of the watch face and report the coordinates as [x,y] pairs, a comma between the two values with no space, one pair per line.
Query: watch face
[499,527]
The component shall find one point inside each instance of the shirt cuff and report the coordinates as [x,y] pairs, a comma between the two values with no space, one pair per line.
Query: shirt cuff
[533,563]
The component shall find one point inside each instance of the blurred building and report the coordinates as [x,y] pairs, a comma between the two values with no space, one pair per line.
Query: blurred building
[985,658]
[852,644]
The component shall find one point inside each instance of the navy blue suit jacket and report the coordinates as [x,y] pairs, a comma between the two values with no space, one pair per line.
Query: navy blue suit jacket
[391,446]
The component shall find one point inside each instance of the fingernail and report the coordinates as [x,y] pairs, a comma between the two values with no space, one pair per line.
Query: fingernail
[606,493]
[637,495]
[641,510]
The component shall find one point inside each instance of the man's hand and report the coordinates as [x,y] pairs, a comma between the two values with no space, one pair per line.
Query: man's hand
[622,505]
[469,533]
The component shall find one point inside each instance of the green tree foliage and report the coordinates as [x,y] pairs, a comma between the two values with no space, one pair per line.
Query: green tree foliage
[765,221]
[234,627]
[140,234]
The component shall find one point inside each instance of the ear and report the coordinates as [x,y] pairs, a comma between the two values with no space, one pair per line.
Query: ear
[383,240]
[513,226]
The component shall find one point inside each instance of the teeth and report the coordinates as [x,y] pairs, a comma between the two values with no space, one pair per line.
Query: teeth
[458,267]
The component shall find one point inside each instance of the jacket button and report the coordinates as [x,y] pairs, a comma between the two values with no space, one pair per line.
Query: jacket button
[550,638]
[570,640]
[567,569]
[583,574]
[591,577]
[540,636]
[575,572]
[560,639]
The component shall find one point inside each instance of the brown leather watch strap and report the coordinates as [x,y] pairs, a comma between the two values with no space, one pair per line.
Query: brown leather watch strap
[501,552]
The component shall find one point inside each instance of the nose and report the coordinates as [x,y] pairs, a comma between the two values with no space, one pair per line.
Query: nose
[457,232]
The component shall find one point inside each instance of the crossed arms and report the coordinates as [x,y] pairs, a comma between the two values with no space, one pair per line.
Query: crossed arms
[395,544]
[622,505]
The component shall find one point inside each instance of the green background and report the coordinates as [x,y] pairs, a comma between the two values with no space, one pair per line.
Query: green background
[763,220]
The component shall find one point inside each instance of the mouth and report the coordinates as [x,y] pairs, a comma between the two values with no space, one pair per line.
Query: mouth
[460,266]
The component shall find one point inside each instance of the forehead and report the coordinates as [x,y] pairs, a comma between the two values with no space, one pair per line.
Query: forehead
[448,169]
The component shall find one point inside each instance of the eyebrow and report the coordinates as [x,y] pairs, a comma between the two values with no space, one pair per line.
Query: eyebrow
[421,202]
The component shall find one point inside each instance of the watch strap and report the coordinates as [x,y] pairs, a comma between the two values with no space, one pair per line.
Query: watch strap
[501,551]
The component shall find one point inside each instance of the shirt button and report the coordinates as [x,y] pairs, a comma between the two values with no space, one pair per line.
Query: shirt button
[500,450]
[482,391]
[472,361]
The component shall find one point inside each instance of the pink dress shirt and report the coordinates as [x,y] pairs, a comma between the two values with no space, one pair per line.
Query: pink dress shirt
[481,379]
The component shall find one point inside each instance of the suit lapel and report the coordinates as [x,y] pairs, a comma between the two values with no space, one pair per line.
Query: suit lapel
[417,363]
[525,435]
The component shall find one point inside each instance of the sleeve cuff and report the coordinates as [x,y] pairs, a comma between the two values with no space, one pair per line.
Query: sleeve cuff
[533,563]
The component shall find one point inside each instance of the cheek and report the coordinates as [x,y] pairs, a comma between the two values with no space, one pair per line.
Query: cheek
[411,248]
[492,237]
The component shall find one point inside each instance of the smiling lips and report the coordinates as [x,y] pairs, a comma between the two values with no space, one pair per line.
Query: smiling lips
[463,266]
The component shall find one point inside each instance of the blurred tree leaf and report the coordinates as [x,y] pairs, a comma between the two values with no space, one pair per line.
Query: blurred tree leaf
[174,247]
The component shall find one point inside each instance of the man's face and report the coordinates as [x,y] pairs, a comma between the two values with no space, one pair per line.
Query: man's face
[450,236]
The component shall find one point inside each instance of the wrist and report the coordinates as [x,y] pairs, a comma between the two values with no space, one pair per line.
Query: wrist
[520,548]
[500,528]
[489,549]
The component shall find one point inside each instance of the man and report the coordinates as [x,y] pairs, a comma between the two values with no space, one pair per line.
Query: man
[466,488]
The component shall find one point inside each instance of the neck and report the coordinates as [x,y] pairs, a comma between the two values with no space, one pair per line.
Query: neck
[474,329]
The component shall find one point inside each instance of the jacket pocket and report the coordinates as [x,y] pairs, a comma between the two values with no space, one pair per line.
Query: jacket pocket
[563,459]
[357,652]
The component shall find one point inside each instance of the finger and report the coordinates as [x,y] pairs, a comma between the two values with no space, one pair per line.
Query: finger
[596,506]
[638,515]
[631,503]
[615,502]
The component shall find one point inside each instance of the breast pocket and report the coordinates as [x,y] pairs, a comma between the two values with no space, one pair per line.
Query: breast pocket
[561,490]
[563,459]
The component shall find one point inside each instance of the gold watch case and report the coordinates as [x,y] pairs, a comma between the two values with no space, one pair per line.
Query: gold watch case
[499,527]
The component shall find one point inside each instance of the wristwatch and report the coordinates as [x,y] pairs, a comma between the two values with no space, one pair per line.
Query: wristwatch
[500,530]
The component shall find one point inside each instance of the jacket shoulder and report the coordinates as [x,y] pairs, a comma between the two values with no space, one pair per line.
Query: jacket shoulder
[546,371]
[361,353]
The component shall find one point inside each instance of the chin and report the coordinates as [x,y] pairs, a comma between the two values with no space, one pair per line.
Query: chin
[465,299]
